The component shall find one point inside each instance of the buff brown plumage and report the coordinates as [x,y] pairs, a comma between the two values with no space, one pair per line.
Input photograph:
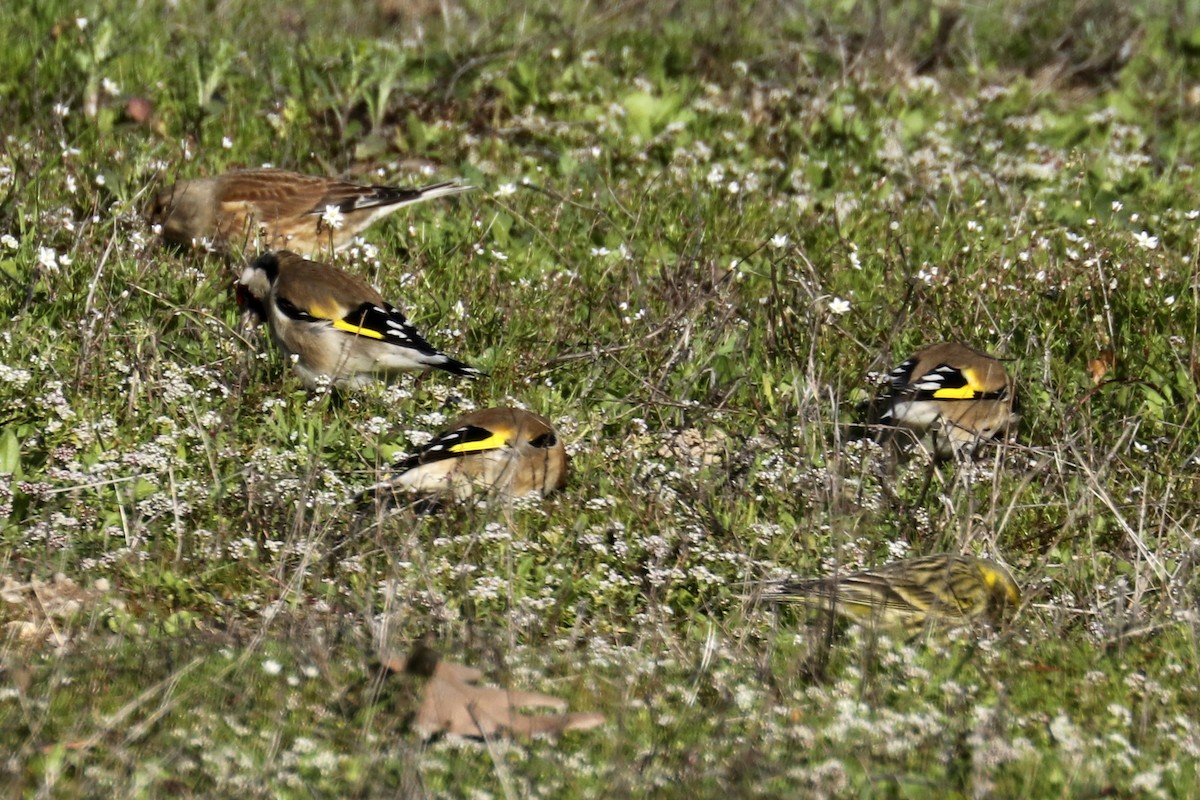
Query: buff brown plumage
[958,396]
[334,326]
[507,451]
[269,209]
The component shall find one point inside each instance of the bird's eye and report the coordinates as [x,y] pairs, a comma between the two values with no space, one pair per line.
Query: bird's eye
[160,207]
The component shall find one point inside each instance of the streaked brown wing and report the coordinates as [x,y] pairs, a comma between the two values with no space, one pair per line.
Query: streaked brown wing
[348,197]
[272,195]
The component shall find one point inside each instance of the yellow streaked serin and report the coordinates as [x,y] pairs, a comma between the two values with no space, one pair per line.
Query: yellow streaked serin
[911,593]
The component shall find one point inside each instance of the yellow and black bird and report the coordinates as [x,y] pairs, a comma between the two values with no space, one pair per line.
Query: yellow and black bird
[273,209]
[334,326]
[910,593]
[959,396]
[505,451]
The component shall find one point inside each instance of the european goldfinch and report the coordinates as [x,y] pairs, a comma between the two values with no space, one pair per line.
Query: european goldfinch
[334,325]
[503,450]
[960,396]
[274,208]
[910,593]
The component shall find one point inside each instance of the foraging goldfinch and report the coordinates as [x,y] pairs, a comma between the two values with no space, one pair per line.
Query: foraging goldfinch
[275,209]
[910,593]
[960,396]
[504,450]
[334,325]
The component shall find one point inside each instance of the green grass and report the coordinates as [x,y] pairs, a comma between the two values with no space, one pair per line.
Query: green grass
[670,200]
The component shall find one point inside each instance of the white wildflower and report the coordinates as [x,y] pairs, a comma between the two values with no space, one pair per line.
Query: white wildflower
[1145,240]
[333,217]
[48,258]
[839,306]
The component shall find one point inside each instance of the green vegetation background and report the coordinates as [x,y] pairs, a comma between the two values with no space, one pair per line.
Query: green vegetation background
[700,228]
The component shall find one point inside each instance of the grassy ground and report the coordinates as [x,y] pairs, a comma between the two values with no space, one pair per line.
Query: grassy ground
[676,204]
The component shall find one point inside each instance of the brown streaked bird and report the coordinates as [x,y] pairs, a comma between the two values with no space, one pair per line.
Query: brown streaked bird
[910,593]
[507,451]
[271,209]
[334,325]
[960,396]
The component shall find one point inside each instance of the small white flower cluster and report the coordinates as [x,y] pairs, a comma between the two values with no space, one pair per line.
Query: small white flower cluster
[50,259]
[16,378]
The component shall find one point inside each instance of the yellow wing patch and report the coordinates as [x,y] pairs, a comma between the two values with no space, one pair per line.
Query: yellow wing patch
[497,440]
[326,311]
[961,393]
[358,330]
[967,392]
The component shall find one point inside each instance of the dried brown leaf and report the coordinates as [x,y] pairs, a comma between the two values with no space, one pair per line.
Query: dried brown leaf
[36,611]
[1101,365]
[452,703]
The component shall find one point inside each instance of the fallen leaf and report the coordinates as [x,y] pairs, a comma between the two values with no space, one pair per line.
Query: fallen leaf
[139,110]
[452,703]
[38,611]
[1101,365]
[697,448]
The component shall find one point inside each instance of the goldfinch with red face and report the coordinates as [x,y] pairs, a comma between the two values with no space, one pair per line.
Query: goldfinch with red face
[910,593]
[959,396]
[505,451]
[272,209]
[334,326]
